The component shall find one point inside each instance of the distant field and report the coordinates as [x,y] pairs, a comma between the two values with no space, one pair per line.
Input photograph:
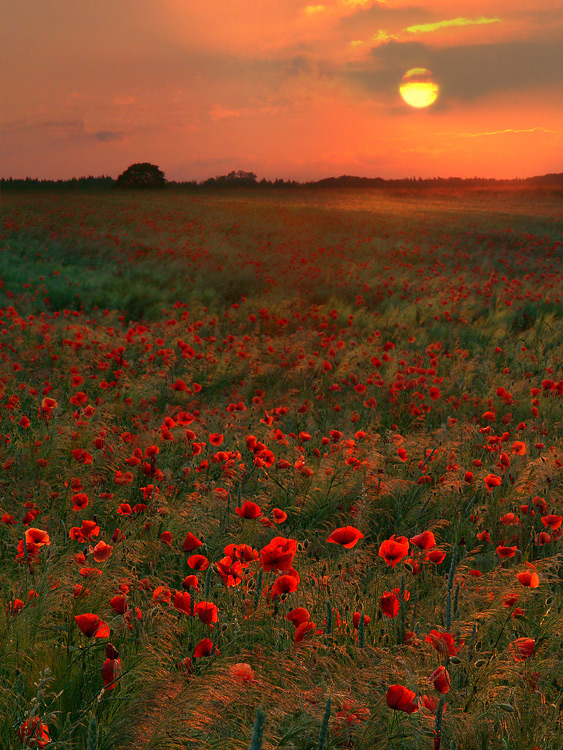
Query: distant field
[297,456]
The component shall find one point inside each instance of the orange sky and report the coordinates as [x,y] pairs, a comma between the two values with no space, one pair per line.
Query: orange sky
[283,88]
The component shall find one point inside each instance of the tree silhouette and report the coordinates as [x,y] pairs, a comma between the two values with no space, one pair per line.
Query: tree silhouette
[141,176]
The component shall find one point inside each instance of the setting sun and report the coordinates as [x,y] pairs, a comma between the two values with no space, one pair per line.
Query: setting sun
[418,88]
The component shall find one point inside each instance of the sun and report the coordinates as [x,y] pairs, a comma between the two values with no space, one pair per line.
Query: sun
[418,88]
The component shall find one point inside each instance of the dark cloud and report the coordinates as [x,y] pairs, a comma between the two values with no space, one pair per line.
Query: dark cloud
[66,130]
[466,72]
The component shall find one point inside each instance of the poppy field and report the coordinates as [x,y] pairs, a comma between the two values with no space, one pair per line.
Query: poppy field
[281,469]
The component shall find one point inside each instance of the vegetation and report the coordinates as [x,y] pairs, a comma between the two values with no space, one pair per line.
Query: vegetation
[281,470]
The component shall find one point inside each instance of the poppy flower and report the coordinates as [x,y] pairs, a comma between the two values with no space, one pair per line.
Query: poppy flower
[522,648]
[182,602]
[119,604]
[298,616]
[230,571]
[198,562]
[436,556]
[190,582]
[242,672]
[356,619]
[249,510]
[204,648]
[38,537]
[279,515]
[393,550]
[34,733]
[92,626]
[443,642]
[278,554]
[111,668]
[400,698]
[102,552]
[191,542]
[215,439]
[529,578]
[347,536]
[80,501]
[243,552]
[162,595]
[425,540]
[552,521]
[207,612]
[504,552]
[285,584]
[440,679]
[82,457]
[519,448]
[491,480]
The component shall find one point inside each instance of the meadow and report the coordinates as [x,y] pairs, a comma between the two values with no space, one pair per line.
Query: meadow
[281,469]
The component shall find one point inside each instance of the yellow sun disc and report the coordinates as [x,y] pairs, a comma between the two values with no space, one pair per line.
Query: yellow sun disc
[418,88]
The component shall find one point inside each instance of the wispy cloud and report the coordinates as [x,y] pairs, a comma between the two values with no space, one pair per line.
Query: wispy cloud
[424,28]
[217,112]
[507,131]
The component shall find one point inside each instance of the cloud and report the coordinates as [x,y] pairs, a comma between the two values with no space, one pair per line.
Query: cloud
[218,112]
[61,130]
[507,131]
[465,73]
[426,27]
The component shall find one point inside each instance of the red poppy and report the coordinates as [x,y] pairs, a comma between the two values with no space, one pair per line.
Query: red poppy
[346,536]
[92,626]
[243,552]
[552,521]
[356,617]
[436,556]
[529,578]
[443,642]
[82,456]
[425,540]
[249,510]
[111,668]
[191,542]
[242,672]
[400,698]
[279,515]
[389,602]
[298,616]
[491,480]
[102,551]
[278,554]
[80,501]
[522,648]
[285,584]
[230,571]
[204,648]
[162,595]
[119,604]
[215,439]
[198,562]
[34,733]
[440,679]
[191,582]
[504,552]
[393,550]
[519,448]
[207,612]
[182,602]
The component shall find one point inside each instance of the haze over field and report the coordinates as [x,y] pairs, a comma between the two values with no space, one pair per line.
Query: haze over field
[290,89]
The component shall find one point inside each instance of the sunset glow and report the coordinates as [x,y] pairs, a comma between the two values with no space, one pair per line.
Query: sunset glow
[298,89]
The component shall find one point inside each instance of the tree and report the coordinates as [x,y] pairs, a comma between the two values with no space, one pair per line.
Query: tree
[142,176]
